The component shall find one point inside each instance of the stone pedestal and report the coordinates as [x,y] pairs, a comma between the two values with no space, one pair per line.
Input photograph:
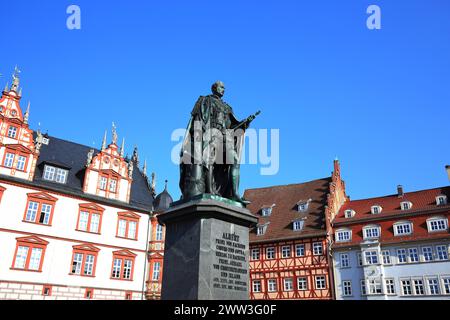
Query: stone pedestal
[206,250]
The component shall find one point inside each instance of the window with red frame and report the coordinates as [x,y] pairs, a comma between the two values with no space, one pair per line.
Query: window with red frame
[29,254]
[89,293]
[12,132]
[40,208]
[127,225]
[84,260]
[47,290]
[156,271]
[123,265]
[11,155]
[113,185]
[108,183]
[90,218]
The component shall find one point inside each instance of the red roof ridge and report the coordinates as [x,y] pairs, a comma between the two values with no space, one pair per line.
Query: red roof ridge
[395,195]
[289,185]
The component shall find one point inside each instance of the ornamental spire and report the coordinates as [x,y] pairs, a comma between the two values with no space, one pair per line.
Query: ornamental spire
[135,157]
[153,183]
[114,134]
[144,169]
[104,142]
[16,80]
[6,88]
[122,148]
[27,114]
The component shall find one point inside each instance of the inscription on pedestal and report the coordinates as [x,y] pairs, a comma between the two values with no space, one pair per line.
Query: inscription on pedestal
[230,267]
[206,251]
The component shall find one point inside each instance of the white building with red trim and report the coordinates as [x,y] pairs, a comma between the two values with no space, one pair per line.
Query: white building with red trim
[393,247]
[74,221]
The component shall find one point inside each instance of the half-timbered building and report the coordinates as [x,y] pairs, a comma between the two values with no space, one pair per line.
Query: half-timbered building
[289,256]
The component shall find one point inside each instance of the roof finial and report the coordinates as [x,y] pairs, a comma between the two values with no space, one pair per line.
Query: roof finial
[135,157]
[104,142]
[114,134]
[16,80]
[130,169]
[153,183]
[122,148]
[27,113]
[165,187]
[144,169]
[6,87]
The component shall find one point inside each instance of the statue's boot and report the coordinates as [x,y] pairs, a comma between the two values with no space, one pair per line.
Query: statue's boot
[234,178]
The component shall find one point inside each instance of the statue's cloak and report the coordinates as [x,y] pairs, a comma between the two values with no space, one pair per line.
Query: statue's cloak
[199,123]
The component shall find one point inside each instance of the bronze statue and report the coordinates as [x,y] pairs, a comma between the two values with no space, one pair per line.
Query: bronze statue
[210,156]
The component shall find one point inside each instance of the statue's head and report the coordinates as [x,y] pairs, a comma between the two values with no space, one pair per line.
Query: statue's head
[218,88]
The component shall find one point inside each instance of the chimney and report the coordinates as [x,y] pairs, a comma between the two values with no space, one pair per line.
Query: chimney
[400,191]
[447,167]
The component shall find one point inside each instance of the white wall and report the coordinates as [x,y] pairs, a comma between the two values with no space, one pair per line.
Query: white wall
[61,237]
[396,271]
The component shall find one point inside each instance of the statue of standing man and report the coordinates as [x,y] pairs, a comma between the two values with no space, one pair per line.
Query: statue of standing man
[211,152]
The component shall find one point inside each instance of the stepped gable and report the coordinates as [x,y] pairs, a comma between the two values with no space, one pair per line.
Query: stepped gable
[72,156]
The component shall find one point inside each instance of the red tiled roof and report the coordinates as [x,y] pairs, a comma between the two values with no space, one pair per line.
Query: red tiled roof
[284,212]
[421,200]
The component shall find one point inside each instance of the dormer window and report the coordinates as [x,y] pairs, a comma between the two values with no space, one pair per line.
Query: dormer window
[12,132]
[108,183]
[55,174]
[103,182]
[436,224]
[371,232]
[403,228]
[297,225]
[343,235]
[112,185]
[266,211]
[302,206]
[45,141]
[406,205]
[376,209]
[261,229]
[349,213]
[441,200]
[14,158]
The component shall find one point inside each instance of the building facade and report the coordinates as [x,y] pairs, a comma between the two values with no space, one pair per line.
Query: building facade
[289,255]
[75,221]
[393,247]
[156,248]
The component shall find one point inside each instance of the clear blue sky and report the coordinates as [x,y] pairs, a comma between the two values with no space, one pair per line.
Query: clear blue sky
[379,100]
